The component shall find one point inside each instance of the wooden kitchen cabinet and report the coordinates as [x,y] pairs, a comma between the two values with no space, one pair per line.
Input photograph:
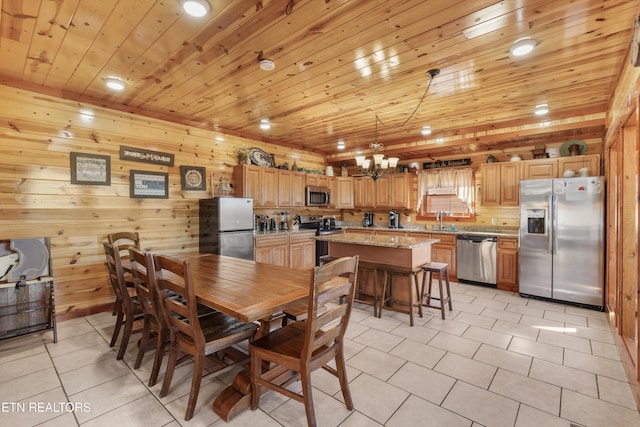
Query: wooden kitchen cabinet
[500,184]
[575,163]
[446,251]
[539,168]
[258,183]
[272,249]
[317,180]
[302,250]
[390,191]
[363,192]
[507,264]
[291,188]
[400,186]
[342,195]
[383,192]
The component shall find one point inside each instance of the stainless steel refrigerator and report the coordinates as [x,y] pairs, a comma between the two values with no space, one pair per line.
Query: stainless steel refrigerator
[562,239]
[226,226]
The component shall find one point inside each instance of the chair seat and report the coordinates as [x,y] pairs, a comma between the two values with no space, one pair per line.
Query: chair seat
[217,325]
[435,266]
[298,312]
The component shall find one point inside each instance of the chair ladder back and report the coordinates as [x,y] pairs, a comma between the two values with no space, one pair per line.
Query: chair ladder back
[333,281]
[144,280]
[123,240]
[116,275]
[182,312]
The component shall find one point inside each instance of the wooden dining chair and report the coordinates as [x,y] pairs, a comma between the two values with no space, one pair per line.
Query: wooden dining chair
[154,326]
[121,242]
[299,348]
[129,310]
[197,336]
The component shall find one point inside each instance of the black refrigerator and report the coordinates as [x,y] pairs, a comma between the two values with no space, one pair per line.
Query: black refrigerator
[226,226]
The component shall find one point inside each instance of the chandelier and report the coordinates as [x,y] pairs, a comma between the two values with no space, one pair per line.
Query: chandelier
[380,166]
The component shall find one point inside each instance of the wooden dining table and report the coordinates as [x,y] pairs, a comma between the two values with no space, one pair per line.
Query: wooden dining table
[248,291]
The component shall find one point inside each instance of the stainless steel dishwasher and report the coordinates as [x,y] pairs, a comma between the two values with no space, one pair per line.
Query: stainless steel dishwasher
[477,258]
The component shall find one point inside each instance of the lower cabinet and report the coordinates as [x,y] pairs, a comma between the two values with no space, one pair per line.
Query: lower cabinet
[295,250]
[443,251]
[302,251]
[272,249]
[508,264]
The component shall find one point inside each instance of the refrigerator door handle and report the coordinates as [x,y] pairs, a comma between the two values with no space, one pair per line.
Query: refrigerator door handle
[554,220]
[548,224]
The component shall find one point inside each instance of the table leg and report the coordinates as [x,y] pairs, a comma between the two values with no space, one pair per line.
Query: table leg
[236,398]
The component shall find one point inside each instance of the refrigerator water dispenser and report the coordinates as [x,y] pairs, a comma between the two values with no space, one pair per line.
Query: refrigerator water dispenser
[536,221]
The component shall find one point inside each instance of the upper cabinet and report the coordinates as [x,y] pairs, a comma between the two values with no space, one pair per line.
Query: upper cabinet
[342,192]
[390,191]
[363,192]
[400,185]
[500,183]
[291,188]
[317,180]
[575,163]
[539,168]
[554,168]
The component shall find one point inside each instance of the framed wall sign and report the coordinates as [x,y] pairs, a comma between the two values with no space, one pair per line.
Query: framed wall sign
[193,178]
[90,169]
[145,184]
[145,156]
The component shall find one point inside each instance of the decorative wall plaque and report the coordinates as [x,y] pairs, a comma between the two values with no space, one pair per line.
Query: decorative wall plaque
[193,178]
[145,184]
[90,169]
[146,156]
[446,163]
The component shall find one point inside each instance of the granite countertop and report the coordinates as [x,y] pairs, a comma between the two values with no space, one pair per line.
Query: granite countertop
[282,232]
[474,231]
[378,240]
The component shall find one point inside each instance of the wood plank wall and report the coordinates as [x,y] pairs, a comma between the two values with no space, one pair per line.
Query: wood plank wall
[37,199]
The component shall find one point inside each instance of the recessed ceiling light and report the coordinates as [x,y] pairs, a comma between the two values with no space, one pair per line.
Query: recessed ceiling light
[523,46]
[541,109]
[267,65]
[426,130]
[114,83]
[265,124]
[341,144]
[197,8]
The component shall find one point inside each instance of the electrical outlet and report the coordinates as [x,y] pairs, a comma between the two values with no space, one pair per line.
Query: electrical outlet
[493,221]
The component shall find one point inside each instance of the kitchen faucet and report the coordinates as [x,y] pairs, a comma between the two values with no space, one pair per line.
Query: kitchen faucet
[440,216]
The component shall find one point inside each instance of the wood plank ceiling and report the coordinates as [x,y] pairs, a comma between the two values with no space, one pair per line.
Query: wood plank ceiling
[338,65]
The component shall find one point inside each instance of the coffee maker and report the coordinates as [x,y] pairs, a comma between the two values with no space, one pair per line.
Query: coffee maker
[394,219]
[367,221]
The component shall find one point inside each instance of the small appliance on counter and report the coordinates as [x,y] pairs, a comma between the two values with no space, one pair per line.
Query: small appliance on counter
[394,220]
[367,221]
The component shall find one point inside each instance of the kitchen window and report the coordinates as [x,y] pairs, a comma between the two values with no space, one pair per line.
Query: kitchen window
[446,190]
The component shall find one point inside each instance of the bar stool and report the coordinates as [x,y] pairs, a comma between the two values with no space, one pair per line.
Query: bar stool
[373,269]
[412,273]
[440,268]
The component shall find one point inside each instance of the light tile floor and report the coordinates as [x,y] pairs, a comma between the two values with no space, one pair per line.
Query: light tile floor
[497,360]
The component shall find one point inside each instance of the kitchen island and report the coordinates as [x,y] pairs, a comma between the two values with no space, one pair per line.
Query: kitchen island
[384,252]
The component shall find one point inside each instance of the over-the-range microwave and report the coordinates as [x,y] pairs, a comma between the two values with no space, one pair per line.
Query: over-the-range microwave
[317,196]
